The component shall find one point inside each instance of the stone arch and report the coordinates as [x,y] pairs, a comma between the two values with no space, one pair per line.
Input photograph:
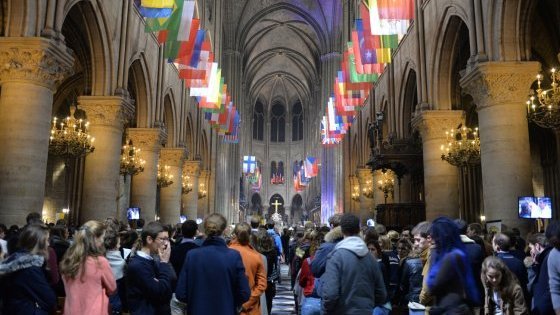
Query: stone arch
[204,149]
[446,54]
[281,209]
[138,83]
[297,211]
[409,101]
[169,120]
[189,136]
[256,204]
[510,30]
[90,20]
[354,157]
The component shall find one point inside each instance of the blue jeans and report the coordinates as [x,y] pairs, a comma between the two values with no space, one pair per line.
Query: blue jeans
[311,306]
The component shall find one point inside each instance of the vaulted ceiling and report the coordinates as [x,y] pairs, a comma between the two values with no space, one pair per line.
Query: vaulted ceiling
[281,43]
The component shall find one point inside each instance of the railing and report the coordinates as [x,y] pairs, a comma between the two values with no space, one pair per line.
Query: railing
[396,216]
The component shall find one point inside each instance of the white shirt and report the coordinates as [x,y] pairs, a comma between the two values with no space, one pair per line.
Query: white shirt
[497,302]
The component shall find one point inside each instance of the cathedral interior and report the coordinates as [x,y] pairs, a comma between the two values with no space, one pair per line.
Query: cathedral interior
[275,108]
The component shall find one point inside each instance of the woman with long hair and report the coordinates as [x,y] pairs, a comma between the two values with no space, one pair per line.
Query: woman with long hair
[264,244]
[450,279]
[503,292]
[88,279]
[24,286]
[312,301]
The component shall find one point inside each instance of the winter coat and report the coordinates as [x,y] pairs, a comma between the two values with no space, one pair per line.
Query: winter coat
[256,274]
[519,270]
[320,261]
[352,282]
[411,280]
[515,307]
[213,279]
[542,302]
[149,285]
[179,252]
[24,288]
[88,293]
[476,257]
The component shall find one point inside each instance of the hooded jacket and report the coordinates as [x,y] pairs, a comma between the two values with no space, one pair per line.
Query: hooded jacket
[24,287]
[352,282]
[320,261]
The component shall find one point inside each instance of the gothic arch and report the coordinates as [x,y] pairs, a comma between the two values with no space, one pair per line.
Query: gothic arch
[139,81]
[189,136]
[445,58]
[204,151]
[90,19]
[409,102]
[510,30]
[169,120]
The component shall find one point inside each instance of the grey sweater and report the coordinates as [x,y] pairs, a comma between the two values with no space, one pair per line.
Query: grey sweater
[554,277]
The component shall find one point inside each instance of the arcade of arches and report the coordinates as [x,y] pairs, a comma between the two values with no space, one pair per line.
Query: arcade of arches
[466,62]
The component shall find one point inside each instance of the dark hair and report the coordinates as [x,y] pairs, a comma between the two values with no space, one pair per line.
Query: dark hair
[152,230]
[111,237]
[128,239]
[502,240]
[140,223]
[371,235]
[270,225]
[537,238]
[33,217]
[553,233]
[255,221]
[380,228]
[461,225]
[422,228]
[334,220]
[3,228]
[263,242]
[445,234]
[214,225]
[476,228]
[189,228]
[242,233]
[34,239]
[349,224]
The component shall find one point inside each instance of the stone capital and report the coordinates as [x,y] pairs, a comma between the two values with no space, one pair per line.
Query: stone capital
[172,156]
[432,124]
[363,174]
[147,139]
[500,83]
[35,59]
[112,111]
[191,168]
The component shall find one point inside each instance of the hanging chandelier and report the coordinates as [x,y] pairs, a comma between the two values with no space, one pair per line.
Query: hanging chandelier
[356,194]
[387,184]
[187,185]
[367,191]
[546,111]
[462,147]
[131,162]
[69,137]
[201,191]
[164,177]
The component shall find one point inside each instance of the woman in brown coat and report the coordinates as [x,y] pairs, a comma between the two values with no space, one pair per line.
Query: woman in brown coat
[254,268]
[503,292]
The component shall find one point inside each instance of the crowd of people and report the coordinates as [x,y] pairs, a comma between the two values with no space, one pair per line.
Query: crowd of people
[441,267]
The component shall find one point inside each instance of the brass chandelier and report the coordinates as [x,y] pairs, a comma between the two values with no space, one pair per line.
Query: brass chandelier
[187,184]
[367,191]
[387,184]
[164,177]
[131,162]
[69,137]
[355,193]
[546,111]
[462,147]
[201,191]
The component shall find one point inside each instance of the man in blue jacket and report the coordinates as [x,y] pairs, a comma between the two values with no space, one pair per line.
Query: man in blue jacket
[352,282]
[501,244]
[541,303]
[331,239]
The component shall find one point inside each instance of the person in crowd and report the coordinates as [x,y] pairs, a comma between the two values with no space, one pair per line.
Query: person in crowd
[423,244]
[129,239]
[332,238]
[450,279]
[140,225]
[264,244]
[3,242]
[503,292]
[277,241]
[311,304]
[501,244]
[255,222]
[24,287]
[393,268]
[112,244]
[150,277]
[381,229]
[517,244]
[405,234]
[189,229]
[475,233]
[352,282]
[474,253]
[394,238]
[254,267]
[553,236]
[88,279]
[411,273]
[213,273]
[285,239]
[539,288]
[59,243]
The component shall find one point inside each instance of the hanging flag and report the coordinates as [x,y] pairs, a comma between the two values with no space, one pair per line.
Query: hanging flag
[155,13]
[390,16]
[157,3]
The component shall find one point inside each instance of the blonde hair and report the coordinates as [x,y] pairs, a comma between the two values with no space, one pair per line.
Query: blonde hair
[508,281]
[84,246]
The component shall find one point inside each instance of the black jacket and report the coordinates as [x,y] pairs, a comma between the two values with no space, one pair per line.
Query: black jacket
[542,303]
[179,253]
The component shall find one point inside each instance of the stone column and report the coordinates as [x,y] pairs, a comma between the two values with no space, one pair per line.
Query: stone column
[144,185]
[31,69]
[106,115]
[500,90]
[366,204]
[203,209]
[170,196]
[440,178]
[190,200]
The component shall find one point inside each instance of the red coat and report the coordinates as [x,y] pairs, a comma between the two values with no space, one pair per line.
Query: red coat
[254,270]
[306,279]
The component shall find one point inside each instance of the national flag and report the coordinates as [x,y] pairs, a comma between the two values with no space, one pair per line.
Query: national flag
[155,13]
[311,167]
[157,3]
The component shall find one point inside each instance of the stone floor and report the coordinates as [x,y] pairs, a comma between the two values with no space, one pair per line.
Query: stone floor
[283,303]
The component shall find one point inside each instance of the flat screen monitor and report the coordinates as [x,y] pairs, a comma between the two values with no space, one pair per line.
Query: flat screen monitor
[133,213]
[535,207]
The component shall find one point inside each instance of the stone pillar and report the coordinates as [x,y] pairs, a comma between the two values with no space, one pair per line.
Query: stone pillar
[31,69]
[366,204]
[144,185]
[440,178]
[500,90]
[170,196]
[106,115]
[190,200]
[203,210]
